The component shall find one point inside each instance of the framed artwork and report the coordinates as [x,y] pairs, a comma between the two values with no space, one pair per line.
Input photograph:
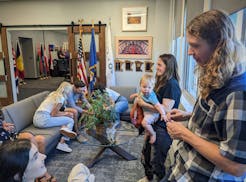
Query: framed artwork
[118,65]
[138,65]
[128,65]
[149,66]
[134,47]
[134,19]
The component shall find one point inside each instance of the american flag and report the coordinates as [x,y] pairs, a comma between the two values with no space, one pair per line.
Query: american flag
[43,63]
[81,70]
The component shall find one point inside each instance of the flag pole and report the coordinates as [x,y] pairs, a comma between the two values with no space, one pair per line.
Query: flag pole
[80,27]
[92,23]
[83,51]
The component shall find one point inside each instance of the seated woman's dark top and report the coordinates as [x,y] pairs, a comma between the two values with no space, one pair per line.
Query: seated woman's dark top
[170,91]
[153,162]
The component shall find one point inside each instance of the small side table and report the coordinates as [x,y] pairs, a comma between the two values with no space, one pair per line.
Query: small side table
[104,141]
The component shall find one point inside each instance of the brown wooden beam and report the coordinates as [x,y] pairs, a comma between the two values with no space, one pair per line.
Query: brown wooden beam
[101,55]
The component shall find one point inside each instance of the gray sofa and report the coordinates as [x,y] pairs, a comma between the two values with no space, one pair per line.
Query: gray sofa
[21,114]
[125,91]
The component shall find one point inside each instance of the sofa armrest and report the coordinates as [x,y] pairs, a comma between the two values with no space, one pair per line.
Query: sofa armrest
[21,113]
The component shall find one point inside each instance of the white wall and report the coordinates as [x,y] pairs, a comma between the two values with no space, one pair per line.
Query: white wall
[64,11]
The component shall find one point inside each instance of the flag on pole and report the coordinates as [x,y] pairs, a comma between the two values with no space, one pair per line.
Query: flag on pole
[44,73]
[110,73]
[51,64]
[46,64]
[39,60]
[15,71]
[93,61]
[19,62]
[81,70]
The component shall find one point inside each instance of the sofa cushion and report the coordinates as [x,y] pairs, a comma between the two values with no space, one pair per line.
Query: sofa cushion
[20,113]
[42,131]
[125,91]
[38,98]
[51,135]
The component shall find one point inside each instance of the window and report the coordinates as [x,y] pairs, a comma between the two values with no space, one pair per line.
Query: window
[191,77]
[239,20]
[186,64]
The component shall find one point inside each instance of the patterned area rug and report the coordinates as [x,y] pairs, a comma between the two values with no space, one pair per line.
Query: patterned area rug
[110,167]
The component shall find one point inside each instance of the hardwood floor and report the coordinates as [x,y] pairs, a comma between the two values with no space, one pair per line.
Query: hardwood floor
[34,86]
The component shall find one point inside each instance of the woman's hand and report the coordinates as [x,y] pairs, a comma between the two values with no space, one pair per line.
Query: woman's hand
[178,115]
[176,130]
[68,114]
[8,126]
[132,96]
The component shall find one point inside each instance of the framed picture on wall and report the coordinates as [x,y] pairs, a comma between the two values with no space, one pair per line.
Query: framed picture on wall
[128,65]
[118,65]
[149,66]
[138,66]
[134,47]
[134,19]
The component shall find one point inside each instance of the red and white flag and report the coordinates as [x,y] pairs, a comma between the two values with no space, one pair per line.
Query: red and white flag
[81,70]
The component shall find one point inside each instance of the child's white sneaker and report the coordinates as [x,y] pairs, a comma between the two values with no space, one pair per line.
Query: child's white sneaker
[63,147]
[68,133]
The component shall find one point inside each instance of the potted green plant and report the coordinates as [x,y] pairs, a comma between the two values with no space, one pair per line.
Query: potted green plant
[101,112]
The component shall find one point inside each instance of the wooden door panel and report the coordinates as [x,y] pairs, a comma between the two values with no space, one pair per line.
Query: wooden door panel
[6,96]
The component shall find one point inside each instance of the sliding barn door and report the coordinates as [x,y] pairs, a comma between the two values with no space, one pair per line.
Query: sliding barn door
[6,91]
[101,55]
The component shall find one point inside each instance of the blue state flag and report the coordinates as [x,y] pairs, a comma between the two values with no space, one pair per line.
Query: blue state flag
[93,61]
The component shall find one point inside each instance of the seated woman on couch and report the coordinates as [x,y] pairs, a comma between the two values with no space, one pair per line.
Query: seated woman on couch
[48,115]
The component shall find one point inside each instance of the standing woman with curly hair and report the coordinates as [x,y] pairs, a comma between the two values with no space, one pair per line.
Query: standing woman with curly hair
[168,93]
[213,146]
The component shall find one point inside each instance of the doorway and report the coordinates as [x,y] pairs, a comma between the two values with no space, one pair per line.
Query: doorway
[28,57]
[31,43]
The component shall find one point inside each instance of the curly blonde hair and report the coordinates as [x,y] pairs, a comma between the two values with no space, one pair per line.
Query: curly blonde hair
[217,29]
